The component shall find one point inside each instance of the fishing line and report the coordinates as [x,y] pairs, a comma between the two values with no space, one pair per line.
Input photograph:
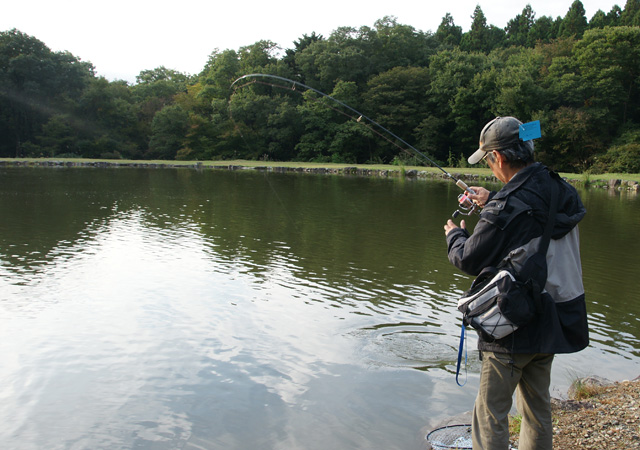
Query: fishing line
[266,178]
[317,100]
[464,202]
[282,204]
[358,115]
[466,206]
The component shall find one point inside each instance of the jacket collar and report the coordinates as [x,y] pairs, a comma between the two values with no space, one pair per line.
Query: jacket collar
[518,179]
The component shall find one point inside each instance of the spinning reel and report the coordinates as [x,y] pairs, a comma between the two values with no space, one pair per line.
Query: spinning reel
[466,206]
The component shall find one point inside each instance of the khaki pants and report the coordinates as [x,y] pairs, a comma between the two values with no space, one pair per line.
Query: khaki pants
[531,375]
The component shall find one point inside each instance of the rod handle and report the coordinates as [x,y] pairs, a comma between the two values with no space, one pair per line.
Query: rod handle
[462,185]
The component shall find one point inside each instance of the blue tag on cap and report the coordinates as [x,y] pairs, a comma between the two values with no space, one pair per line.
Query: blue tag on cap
[529,131]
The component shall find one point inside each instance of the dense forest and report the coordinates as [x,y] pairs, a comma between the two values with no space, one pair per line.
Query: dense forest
[579,77]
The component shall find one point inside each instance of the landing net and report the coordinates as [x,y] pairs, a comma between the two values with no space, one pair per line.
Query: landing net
[453,436]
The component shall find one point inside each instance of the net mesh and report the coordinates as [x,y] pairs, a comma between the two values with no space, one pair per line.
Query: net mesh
[453,436]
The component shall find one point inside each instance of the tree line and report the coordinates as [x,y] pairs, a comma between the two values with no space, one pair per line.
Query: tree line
[579,77]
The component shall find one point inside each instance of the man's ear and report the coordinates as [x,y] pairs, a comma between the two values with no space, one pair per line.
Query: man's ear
[499,159]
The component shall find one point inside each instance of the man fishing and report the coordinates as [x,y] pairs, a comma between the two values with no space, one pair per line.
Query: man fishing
[511,224]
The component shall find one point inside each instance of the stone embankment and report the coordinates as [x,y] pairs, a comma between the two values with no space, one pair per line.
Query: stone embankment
[616,184]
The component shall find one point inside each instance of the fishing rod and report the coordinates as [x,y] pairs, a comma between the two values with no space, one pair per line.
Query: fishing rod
[465,205]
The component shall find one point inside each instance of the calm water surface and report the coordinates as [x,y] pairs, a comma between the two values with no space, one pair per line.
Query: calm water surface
[179,309]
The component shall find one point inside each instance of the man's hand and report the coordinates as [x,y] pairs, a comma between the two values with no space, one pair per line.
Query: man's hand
[480,197]
[452,226]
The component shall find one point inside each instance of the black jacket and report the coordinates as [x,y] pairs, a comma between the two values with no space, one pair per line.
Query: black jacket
[510,226]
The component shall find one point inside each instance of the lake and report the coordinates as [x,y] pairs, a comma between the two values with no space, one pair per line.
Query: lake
[212,309]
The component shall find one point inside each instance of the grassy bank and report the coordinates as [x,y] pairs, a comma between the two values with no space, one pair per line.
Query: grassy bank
[481,172]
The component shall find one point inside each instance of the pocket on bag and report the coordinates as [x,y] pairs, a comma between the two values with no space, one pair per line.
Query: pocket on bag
[496,304]
[516,303]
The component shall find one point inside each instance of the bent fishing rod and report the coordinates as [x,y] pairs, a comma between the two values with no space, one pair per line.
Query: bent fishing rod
[465,204]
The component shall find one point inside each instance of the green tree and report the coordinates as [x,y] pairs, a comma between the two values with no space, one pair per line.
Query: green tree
[565,85]
[320,125]
[161,74]
[518,28]
[109,114]
[619,159]
[433,138]
[285,129]
[348,56]
[330,132]
[475,40]
[267,124]
[298,46]
[519,89]
[168,132]
[581,80]
[397,99]
[450,72]
[543,30]
[575,22]
[570,139]
[599,20]
[259,57]
[209,133]
[401,45]
[609,60]
[448,33]
[307,64]
[481,38]
[221,70]
[592,94]
[57,137]
[614,16]
[631,14]
[154,90]
[35,84]
[352,142]
[472,106]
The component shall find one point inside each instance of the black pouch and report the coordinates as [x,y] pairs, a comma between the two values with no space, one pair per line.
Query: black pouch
[497,304]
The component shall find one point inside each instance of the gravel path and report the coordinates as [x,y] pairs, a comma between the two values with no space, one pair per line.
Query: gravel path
[607,418]
[610,419]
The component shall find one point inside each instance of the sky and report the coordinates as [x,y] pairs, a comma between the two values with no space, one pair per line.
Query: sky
[123,37]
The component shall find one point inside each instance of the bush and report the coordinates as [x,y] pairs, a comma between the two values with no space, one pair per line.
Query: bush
[619,159]
[111,155]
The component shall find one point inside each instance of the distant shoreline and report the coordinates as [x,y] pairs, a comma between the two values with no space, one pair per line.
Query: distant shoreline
[612,181]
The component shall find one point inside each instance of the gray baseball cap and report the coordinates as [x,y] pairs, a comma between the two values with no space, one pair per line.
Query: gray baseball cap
[498,134]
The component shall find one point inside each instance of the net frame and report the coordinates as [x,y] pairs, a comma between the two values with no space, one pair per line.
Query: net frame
[451,437]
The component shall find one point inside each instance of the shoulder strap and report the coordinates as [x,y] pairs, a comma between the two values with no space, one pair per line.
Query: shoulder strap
[537,262]
[551,220]
[534,269]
